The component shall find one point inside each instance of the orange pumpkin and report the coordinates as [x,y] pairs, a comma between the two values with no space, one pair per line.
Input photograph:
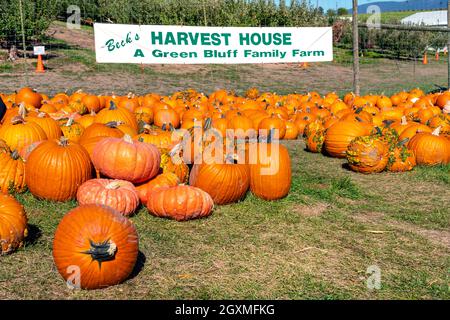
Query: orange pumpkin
[339,136]
[50,126]
[401,159]
[166,179]
[270,171]
[13,224]
[116,114]
[29,97]
[226,183]
[430,148]
[180,203]
[126,159]
[20,133]
[97,245]
[56,168]
[12,172]
[118,194]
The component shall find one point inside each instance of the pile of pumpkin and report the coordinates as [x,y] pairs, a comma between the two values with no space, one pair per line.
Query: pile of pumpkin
[377,133]
[55,146]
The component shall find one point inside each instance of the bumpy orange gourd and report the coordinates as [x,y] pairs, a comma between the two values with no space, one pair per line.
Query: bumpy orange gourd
[180,203]
[56,169]
[401,159]
[126,159]
[102,244]
[368,154]
[118,194]
[13,224]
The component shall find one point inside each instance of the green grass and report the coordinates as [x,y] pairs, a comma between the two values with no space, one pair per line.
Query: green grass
[317,243]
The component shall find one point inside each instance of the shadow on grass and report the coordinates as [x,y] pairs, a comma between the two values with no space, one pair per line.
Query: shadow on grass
[34,233]
[140,263]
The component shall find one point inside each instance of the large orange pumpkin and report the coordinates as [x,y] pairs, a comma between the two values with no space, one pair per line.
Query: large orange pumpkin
[226,183]
[126,159]
[339,136]
[56,169]
[19,133]
[118,194]
[49,125]
[180,203]
[29,96]
[13,224]
[270,171]
[430,148]
[95,247]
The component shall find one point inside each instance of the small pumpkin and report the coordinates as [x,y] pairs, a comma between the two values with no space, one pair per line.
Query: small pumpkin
[179,168]
[126,159]
[401,159]
[13,224]
[72,130]
[166,179]
[102,244]
[116,114]
[12,172]
[180,203]
[118,194]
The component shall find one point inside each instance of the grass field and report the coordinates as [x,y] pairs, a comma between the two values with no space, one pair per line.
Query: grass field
[315,244]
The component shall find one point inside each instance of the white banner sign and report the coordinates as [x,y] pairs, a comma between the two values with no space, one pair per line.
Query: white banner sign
[119,43]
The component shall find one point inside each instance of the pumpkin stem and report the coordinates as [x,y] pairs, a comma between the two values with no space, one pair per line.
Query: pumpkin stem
[63,142]
[113,124]
[15,155]
[404,121]
[17,120]
[113,185]
[22,110]
[70,122]
[437,131]
[112,105]
[208,123]
[103,251]
[128,138]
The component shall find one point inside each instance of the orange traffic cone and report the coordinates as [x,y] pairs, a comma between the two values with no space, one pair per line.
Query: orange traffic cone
[437,55]
[40,65]
[425,58]
[304,65]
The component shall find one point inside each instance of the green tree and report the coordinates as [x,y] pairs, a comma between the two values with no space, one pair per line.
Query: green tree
[342,12]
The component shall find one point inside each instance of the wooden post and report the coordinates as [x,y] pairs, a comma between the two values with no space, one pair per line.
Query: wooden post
[356,84]
[23,42]
[448,43]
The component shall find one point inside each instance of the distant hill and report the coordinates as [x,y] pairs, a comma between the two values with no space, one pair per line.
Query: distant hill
[407,5]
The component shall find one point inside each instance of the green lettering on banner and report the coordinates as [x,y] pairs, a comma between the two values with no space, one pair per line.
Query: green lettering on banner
[110,45]
[193,38]
[170,39]
[157,38]
[183,38]
[205,39]
[139,53]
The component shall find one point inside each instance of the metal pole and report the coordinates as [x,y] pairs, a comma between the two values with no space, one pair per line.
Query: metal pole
[356,84]
[448,43]
[23,41]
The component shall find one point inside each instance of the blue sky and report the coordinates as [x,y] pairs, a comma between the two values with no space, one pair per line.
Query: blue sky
[327,4]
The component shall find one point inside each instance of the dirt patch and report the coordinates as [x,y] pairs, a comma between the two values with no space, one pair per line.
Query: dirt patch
[310,210]
[439,237]
[80,38]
